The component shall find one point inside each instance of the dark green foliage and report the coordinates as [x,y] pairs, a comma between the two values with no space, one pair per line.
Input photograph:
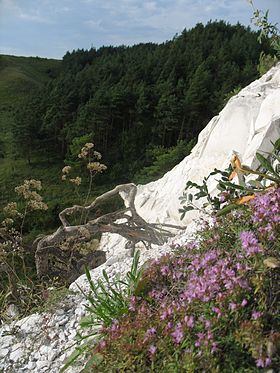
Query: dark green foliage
[134,98]
[162,159]
[141,106]
[266,62]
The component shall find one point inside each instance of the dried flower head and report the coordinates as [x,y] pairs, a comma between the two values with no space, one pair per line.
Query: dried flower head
[66,170]
[7,222]
[96,167]
[11,210]
[34,200]
[76,181]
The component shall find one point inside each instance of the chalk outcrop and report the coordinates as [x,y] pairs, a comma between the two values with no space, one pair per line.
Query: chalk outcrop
[247,124]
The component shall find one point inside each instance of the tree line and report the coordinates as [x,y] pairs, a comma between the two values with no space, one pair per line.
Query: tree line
[136,102]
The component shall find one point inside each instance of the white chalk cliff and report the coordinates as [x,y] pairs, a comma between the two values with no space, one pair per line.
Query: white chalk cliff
[247,124]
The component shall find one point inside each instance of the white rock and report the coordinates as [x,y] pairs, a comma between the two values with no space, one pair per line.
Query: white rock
[42,364]
[62,337]
[60,312]
[7,341]
[63,321]
[30,366]
[29,323]
[44,350]
[4,352]
[17,353]
[52,354]
[54,344]
[12,311]
[52,334]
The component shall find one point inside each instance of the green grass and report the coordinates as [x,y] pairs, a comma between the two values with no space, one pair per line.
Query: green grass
[18,74]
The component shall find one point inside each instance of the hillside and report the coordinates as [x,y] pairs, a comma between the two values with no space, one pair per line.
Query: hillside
[142,106]
[19,77]
[210,300]
[130,100]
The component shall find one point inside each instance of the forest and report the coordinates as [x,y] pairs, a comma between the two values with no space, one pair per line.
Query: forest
[137,103]
[142,106]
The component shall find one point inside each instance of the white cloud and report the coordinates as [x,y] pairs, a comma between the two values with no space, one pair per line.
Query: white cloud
[33,17]
[94,24]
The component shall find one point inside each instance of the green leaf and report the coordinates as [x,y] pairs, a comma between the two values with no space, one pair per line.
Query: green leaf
[95,359]
[265,163]
[232,185]
[255,183]
[73,357]
[221,187]
[277,144]
[187,208]
[227,209]
[104,273]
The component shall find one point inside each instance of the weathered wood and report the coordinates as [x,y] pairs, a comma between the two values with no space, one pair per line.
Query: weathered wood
[126,222]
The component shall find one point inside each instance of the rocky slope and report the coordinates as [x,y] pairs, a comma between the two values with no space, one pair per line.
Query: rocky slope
[248,123]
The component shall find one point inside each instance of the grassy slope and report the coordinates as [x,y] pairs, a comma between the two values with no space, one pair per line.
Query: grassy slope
[19,76]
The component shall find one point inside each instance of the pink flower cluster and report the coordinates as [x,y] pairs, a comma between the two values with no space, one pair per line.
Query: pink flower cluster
[250,243]
[209,276]
[266,212]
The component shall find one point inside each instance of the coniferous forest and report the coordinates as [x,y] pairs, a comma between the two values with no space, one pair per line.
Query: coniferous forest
[132,99]
[142,107]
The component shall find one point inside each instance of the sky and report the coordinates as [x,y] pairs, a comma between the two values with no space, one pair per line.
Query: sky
[50,28]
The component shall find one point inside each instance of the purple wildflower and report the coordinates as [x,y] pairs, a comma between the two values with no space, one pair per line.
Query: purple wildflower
[217,311]
[178,333]
[214,347]
[266,212]
[165,271]
[256,315]
[152,350]
[149,333]
[250,243]
[232,306]
[189,320]
[263,362]
[132,304]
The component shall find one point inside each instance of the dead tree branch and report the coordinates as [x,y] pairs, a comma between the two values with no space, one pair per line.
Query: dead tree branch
[126,222]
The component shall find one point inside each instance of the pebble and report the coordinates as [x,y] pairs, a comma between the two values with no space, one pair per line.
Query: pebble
[42,364]
[63,321]
[30,366]
[15,355]
[4,352]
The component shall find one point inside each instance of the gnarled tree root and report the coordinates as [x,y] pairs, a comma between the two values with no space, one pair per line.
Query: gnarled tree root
[125,222]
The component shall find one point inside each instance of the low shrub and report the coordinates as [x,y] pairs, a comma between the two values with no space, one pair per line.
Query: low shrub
[211,306]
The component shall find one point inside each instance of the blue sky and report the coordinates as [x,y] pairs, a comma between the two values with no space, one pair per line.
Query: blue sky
[48,28]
